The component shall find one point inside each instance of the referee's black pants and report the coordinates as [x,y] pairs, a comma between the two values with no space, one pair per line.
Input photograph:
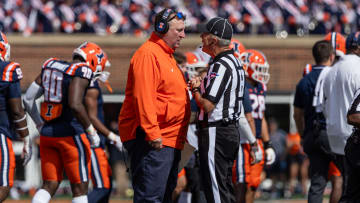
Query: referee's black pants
[218,147]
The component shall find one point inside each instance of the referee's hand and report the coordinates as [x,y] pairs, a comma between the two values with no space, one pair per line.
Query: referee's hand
[156,144]
[195,82]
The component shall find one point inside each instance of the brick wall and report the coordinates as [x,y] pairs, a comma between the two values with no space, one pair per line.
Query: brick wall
[287,58]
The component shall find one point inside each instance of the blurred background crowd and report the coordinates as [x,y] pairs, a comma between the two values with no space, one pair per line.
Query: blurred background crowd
[135,17]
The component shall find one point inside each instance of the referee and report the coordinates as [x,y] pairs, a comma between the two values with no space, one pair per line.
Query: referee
[219,97]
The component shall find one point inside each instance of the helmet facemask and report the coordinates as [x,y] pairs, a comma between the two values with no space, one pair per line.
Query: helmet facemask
[261,72]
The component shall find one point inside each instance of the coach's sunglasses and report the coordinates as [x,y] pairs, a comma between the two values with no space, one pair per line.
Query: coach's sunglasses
[179,16]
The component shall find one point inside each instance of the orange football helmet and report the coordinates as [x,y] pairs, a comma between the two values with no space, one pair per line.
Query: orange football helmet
[255,65]
[93,55]
[338,42]
[193,61]
[238,47]
[4,48]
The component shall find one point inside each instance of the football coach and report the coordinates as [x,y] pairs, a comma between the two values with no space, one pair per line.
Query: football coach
[155,115]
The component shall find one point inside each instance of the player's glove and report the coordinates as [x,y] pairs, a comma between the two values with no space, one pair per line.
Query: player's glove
[27,150]
[115,139]
[104,76]
[270,153]
[94,137]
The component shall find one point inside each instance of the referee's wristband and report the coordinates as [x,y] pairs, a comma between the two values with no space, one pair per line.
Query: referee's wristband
[268,144]
[195,89]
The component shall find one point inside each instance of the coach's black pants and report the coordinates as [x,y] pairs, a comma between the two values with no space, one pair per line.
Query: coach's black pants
[316,145]
[154,172]
[218,147]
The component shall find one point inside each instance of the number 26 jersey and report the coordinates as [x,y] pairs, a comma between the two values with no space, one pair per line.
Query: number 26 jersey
[55,80]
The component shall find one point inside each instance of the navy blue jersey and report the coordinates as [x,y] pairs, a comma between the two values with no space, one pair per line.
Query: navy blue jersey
[304,96]
[9,88]
[247,102]
[257,95]
[55,80]
[100,111]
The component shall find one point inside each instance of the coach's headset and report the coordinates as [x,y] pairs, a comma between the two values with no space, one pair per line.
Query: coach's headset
[162,24]
[353,40]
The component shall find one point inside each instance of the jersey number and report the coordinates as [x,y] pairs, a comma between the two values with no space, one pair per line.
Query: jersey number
[258,105]
[52,83]
[19,73]
[86,72]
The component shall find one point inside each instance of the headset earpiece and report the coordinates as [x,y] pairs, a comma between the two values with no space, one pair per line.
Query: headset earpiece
[162,25]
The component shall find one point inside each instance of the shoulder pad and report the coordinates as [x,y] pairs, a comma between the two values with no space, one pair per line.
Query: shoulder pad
[72,69]
[11,72]
[48,61]
[80,70]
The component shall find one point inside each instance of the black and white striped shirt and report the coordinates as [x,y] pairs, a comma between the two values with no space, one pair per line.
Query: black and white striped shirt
[223,86]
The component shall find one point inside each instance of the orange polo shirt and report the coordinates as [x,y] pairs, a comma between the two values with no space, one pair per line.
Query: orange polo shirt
[156,96]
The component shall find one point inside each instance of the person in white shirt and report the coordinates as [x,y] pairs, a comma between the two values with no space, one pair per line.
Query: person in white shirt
[338,43]
[340,85]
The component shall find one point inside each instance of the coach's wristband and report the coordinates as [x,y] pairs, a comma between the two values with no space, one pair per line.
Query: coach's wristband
[268,144]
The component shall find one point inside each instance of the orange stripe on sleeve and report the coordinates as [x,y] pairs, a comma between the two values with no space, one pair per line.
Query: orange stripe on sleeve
[72,69]
[8,71]
[48,61]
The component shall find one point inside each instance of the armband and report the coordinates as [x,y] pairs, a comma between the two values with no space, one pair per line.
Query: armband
[23,128]
[21,119]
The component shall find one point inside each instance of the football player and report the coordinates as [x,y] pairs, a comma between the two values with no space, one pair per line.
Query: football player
[100,168]
[11,115]
[63,121]
[257,76]
[193,62]
[247,135]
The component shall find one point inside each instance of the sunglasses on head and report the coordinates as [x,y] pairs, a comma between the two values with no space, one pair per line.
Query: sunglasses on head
[179,16]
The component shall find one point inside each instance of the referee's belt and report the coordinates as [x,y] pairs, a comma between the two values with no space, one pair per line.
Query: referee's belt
[221,123]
